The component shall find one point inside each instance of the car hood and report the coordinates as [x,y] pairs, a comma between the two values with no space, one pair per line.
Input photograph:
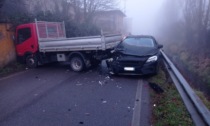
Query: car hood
[138,51]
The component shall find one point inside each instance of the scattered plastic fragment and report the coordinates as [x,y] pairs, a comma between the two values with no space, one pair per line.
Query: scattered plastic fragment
[26,68]
[104,102]
[154,105]
[118,87]
[129,107]
[100,83]
[107,77]
[87,114]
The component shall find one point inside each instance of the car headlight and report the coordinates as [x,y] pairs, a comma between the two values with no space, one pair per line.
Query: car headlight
[152,59]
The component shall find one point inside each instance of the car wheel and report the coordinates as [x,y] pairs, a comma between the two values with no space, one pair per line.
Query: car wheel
[77,64]
[31,61]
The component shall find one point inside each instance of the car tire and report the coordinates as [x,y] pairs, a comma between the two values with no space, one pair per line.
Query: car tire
[77,64]
[32,61]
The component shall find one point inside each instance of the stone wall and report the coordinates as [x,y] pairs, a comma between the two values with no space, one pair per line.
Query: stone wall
[7,48]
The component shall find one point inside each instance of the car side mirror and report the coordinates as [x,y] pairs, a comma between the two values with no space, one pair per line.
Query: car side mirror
[160,46]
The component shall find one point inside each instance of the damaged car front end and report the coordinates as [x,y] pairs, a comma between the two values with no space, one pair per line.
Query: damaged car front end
[135,55]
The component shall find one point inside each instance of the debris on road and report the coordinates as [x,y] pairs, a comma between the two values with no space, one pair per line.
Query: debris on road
[78,84]
[104,102]
[87,114]
[81,122]
[118,87]
[156,88]
[100,83]
[107,77]
[35,94]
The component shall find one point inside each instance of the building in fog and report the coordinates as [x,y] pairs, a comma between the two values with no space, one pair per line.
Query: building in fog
[128,24]
[110,21]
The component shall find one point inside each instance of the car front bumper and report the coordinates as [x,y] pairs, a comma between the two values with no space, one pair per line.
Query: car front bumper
[144,69]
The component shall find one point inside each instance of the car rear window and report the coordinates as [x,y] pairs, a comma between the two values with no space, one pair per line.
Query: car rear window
[141,42]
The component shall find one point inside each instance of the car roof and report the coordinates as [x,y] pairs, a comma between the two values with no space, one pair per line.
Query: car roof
[140,36]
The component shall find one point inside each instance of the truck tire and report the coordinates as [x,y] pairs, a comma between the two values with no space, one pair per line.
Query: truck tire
[31,61]
[77,64]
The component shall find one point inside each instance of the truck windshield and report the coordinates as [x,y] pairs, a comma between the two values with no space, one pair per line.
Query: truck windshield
[23,35]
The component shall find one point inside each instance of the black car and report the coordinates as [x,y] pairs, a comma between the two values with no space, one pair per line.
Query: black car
[138,55]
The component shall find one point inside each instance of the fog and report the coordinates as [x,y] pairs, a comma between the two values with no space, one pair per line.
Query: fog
[143,14]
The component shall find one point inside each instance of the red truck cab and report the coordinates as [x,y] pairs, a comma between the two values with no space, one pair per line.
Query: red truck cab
[26,39]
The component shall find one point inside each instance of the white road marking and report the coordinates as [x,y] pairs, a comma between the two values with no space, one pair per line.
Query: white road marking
[13,75]
[137,107]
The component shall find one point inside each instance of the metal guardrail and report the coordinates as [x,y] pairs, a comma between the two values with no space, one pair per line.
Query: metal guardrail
[198,111]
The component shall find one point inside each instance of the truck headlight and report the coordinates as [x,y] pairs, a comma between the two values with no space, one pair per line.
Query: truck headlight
[152,59]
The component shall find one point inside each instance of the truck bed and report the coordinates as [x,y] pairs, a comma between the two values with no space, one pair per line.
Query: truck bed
[102,42]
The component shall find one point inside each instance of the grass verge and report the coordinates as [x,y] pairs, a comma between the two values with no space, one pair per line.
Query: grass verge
[203,98]
[168,108]
[11,68]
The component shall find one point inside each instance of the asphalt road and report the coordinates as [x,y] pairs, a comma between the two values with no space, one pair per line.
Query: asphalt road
[53,95]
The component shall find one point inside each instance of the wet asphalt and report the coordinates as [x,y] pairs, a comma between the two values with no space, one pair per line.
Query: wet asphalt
[53,95]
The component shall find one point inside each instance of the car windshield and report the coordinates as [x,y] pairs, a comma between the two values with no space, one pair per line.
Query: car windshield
[139,41]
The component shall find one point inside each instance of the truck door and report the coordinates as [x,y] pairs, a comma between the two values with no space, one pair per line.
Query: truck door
[26,41]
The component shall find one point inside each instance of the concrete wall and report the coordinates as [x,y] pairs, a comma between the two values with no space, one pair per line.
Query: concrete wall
[7,49]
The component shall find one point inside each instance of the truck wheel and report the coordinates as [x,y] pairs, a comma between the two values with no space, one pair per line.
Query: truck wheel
[77,64]
[31,61]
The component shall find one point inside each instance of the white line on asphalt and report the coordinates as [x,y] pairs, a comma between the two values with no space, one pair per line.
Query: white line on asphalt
[137,107]
[16,74]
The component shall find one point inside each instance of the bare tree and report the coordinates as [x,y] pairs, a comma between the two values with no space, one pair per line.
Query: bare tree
[87,8]
[197,17]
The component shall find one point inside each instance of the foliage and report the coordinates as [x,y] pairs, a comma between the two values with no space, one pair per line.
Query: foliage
[89,7]
[74,27]
[168,108]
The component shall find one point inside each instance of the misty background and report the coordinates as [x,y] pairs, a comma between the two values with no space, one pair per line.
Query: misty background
[183,27]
